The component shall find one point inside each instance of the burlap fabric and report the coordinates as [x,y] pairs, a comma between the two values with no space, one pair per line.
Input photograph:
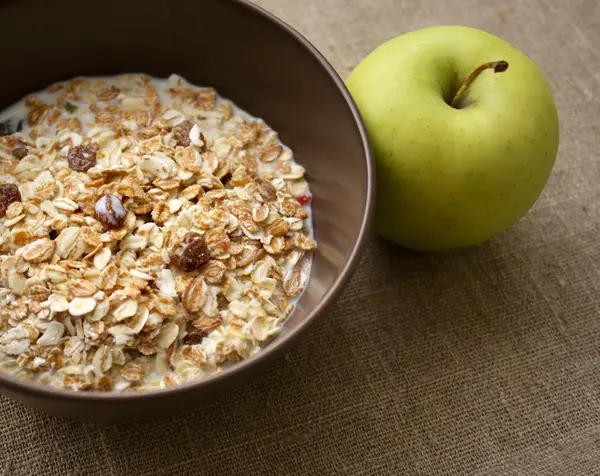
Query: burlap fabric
[483,362]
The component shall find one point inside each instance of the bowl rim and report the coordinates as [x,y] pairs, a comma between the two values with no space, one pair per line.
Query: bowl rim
[280,343]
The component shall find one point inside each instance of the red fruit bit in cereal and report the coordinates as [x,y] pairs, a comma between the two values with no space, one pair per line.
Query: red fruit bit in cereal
[82,158]
[304,199]
[193,253]
[110,211]
[9,193]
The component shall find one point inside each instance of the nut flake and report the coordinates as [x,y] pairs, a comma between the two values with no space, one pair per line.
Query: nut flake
[163,235]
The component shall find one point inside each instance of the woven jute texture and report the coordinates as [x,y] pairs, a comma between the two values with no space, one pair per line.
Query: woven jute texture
[483,362]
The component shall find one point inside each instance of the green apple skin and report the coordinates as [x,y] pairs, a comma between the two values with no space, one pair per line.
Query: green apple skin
[450,178]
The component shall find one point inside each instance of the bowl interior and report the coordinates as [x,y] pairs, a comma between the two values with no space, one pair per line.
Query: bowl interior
[249,58]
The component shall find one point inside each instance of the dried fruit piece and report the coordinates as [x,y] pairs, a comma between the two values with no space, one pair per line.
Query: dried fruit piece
[70,107]
[181,133]
[193,338]
[304,199]
[110,211]
[82,158]
[192,254]
[19,152]
[9,193]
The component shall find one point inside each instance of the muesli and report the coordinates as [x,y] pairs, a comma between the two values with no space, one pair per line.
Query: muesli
[151,233]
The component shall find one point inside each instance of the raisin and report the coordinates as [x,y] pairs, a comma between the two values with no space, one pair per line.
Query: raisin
[192,253]
[9,127]
[82,158]
[226,178]
[181,133]
[110,212]
[9,193]
[19,152]
[194,338]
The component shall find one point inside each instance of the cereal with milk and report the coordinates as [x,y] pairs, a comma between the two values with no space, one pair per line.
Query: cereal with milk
[151,233]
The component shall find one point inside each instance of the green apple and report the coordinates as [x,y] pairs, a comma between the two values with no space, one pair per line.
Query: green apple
[465,134]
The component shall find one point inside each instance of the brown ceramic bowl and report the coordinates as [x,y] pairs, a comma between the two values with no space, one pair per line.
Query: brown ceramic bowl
[254,59]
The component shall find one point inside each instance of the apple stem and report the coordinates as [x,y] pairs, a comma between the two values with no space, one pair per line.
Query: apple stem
[499,67]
